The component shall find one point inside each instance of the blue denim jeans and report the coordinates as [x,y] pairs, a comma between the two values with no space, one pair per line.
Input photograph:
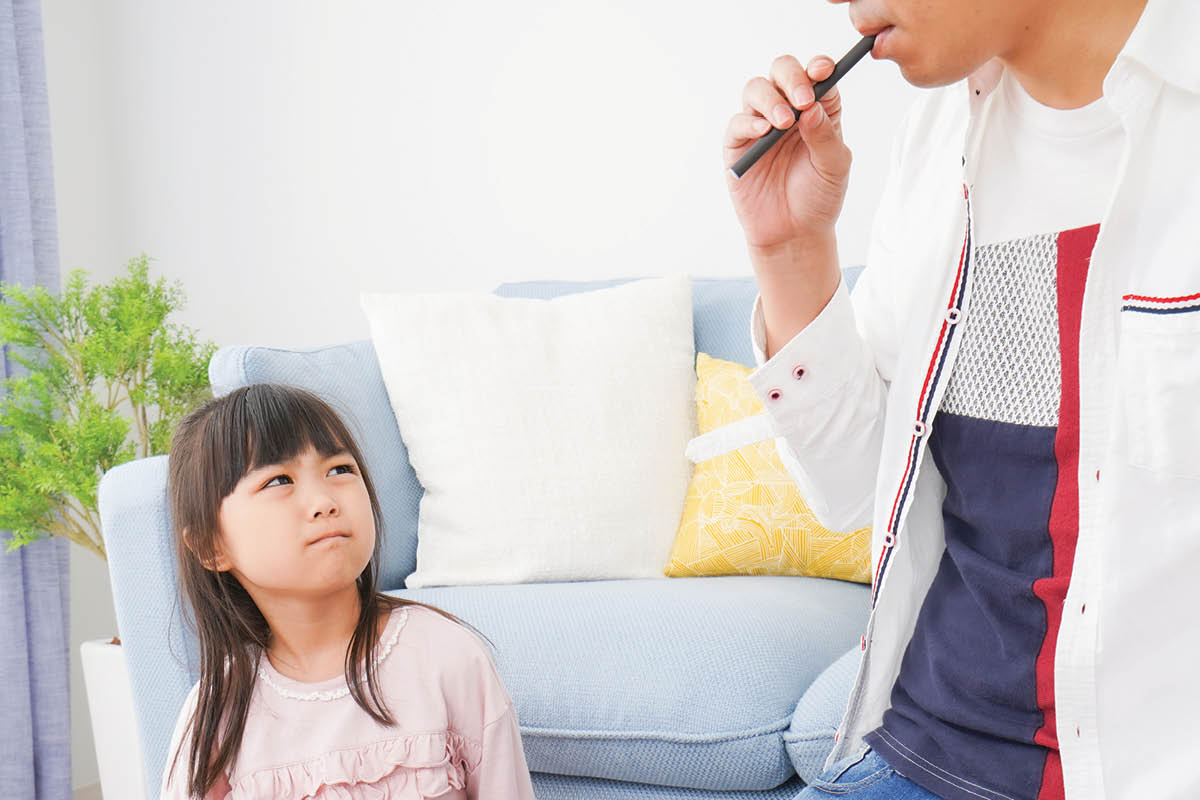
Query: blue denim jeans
[865,778]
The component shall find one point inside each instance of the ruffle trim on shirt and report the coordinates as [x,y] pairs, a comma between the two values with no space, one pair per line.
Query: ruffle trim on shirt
[413,767]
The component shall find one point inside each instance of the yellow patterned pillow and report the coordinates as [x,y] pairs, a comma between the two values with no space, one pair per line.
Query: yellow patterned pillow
[744,514]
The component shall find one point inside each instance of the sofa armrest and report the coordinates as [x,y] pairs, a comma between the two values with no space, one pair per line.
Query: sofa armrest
[818,714]
[160,651]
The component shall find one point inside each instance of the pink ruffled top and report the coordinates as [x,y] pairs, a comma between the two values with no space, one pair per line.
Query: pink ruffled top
[456,737]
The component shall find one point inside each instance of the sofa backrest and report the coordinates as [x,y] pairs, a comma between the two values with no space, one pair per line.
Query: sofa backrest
[720,309]
[348,377]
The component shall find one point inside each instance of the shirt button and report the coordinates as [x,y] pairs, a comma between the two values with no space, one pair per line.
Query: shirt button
[919,428]
[774,394]
[953,315]
[798,372]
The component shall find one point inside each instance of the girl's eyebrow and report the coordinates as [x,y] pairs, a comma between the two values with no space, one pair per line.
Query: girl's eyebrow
[342,453]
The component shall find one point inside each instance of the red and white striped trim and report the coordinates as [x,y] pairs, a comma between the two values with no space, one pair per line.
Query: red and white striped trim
[1161,305]
[924,406]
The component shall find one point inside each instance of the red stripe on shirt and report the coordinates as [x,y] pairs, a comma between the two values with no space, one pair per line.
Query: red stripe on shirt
[1074,257]
[1148,299]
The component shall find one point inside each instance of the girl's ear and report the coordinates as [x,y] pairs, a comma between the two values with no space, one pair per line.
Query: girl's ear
[218,563]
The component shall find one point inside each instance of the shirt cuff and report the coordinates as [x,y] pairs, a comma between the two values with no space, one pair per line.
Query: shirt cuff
[818,361]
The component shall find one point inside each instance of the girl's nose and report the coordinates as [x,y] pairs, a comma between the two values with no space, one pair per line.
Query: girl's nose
[324,506]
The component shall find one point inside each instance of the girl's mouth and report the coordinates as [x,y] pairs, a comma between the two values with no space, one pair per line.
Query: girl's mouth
[331,535]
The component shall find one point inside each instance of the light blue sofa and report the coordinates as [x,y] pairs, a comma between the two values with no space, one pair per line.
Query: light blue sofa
[727,687]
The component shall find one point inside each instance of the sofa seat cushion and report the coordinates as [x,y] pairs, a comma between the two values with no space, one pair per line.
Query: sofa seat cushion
[563,787]
[687,682]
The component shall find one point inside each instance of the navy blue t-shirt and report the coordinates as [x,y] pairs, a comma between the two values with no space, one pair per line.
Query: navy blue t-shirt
[972,711]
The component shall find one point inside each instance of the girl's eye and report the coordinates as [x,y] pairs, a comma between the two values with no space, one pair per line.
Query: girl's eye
[349,470]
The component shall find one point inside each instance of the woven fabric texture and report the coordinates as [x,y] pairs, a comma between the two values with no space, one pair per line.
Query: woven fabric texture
[1003,373]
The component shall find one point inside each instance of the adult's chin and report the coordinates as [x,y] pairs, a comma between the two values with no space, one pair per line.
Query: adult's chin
[925,75]
[930,67]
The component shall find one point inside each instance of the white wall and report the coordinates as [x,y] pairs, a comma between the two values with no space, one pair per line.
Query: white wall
[279,156]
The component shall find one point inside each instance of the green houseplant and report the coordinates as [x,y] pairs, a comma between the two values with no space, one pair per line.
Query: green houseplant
[106,377]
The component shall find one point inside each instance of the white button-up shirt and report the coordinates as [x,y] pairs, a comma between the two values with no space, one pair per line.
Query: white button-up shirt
[853,423]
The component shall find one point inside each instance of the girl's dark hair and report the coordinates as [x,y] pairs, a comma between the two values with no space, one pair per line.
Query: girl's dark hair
[213,448]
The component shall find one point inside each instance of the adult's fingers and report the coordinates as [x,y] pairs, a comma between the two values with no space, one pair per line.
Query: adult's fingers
[743,128]
[819,68]
[762,97]
[793,80]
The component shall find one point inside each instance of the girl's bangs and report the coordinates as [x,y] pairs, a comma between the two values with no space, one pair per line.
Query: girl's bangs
[269,426]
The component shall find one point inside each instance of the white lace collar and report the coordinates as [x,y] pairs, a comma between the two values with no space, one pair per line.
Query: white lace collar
[282,684]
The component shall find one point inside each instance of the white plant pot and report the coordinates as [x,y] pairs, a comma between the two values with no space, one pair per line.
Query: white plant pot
[114,724]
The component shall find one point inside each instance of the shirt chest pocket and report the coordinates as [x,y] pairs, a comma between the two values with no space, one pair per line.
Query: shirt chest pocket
[1159,367]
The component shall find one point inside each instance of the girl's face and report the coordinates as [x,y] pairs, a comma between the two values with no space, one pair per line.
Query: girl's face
[301,529]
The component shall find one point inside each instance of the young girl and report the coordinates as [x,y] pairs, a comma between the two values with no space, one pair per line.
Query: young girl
[313,684]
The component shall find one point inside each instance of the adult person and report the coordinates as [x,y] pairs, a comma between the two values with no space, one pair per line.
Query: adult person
[1010,395]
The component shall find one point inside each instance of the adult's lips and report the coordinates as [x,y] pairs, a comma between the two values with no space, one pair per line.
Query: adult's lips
[881,34]
[870,27]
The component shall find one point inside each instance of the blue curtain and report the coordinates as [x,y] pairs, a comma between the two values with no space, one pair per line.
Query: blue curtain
[35,709]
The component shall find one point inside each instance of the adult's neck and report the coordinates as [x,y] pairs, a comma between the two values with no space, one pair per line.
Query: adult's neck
[1063,56]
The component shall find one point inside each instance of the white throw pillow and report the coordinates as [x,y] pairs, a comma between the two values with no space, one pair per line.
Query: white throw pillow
[549,434]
